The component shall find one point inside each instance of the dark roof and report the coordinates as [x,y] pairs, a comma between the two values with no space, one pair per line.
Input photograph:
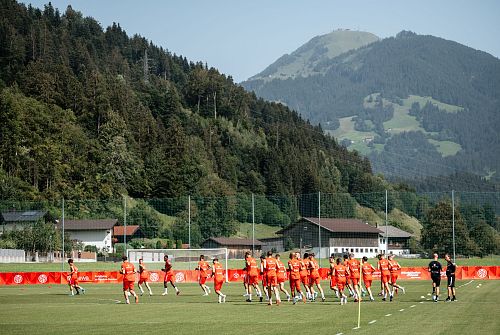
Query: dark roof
[88,224]
[339,225]
[233,241]
[394,232]
[23,216]
[118,230]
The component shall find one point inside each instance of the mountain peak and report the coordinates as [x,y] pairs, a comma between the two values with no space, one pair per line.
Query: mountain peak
[302,62]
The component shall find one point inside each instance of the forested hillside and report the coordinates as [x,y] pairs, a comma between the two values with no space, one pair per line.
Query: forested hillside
[408,101]
[87,112]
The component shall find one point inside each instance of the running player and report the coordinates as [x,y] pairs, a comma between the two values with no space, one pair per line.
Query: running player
[368,270]
[394,268]
[281,276]
[314,277]
[294,268]
[143,277]
[252,276]
[348,278]
[218,273]
[340,273]
[169,276]
[272,281]
[304,275]
[331,273]
[73,279]
[263,273]
[203,268]
[435,270]
[385,274]
[450,274]
[128,272]
[353,266]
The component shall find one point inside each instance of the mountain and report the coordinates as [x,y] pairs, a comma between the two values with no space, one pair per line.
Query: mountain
[94,113]
[304,61]
[416,105]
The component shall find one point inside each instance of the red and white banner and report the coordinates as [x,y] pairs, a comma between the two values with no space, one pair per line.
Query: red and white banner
[191,276]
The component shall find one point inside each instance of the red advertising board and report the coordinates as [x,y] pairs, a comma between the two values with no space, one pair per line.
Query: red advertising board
[190,276]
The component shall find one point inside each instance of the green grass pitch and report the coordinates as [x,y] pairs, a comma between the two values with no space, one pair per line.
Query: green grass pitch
[50,310]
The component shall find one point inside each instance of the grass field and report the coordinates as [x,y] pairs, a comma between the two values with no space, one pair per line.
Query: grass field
[49,310]
[232,264]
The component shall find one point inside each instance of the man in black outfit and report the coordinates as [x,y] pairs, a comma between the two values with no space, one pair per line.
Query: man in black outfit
[435,270]
[450,273]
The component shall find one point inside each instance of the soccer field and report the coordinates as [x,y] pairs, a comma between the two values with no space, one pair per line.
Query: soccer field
[50,310]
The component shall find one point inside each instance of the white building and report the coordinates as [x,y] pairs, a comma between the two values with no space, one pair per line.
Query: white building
[398,240]
[91,232]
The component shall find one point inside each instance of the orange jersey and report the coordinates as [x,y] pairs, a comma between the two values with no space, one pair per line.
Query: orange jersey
[168,266]
[340,272]
[304,270]
[218,272]
[203,268]
[393,266]
[353,265]
[281,269]
[294,266]
[74,272]
[143,271]
[313,268]
[271,266]
[251,267]
[367,271]
[128,271]
[383,266]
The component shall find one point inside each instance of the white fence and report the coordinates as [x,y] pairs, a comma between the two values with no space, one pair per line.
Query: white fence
[12,256]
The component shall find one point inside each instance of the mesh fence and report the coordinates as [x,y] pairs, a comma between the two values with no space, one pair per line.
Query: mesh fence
[405,223]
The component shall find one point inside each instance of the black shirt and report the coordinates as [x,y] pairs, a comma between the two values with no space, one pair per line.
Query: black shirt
[435,268]
[450,269]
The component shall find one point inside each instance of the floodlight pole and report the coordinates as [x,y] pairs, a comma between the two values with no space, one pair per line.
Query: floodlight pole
[386,227]
[453,220]
[62,256]
[319,227]
[253,224]
[125,222]
[189,221]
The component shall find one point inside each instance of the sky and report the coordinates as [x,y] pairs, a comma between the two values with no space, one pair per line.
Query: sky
[241,38]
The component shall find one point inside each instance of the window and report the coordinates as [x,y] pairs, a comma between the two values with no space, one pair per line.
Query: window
[352,249]
[371,249]
[335,250]
[357,250]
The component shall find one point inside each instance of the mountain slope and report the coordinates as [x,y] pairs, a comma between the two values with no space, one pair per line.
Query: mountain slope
[444,92]
[304,61]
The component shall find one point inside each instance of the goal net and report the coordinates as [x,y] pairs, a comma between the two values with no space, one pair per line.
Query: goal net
[181,259]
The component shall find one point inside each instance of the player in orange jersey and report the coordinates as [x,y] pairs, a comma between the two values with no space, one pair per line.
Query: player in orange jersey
[263,273]
[271,267]
[252,276]
[304,276]
[281,276]
[340,273]
[385,275]
[394,268]
[128,272]
[143,277]
[353,266]
[294,268]
[73,279]
[331,273]
[203,274]
[169,276]
[345,262]
[367,270]
[314,277]
[219,278]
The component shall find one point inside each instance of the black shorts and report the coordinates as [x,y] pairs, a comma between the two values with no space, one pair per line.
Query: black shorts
[436,280]
[451,281]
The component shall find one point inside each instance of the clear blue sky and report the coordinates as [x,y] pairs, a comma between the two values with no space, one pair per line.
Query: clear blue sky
[241,38]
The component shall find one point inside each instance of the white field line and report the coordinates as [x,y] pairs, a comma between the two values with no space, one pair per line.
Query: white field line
[388,314]
[372,322]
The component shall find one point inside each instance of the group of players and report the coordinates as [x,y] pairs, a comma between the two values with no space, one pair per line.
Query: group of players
[344,273]
[303,274]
